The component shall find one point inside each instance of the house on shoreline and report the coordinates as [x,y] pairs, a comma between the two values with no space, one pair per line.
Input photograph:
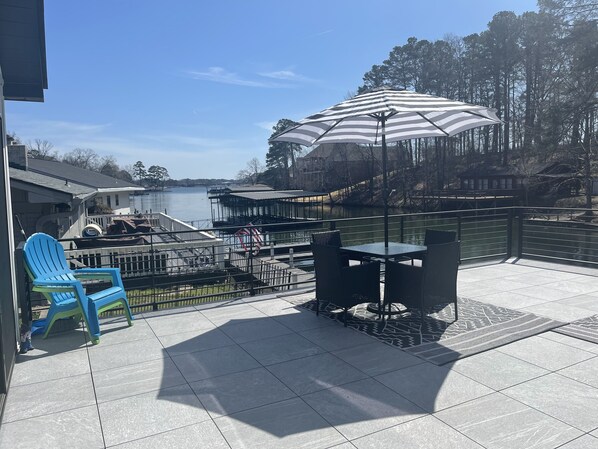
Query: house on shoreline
[56,198]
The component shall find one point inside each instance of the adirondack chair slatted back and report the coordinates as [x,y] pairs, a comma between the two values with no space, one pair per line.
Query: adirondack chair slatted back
[45,259]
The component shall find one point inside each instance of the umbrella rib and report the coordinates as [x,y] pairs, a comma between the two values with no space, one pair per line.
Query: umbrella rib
[328,130]
[433,124]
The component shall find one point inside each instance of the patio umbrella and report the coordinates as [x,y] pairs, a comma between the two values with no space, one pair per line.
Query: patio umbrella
[388,115]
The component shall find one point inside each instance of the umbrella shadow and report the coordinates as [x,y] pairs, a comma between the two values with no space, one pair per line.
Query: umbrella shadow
[292,372]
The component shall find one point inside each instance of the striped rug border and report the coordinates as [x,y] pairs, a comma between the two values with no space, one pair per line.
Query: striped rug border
[582,333]
[481,340]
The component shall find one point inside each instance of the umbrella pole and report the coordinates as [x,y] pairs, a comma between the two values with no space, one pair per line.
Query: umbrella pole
[384,181]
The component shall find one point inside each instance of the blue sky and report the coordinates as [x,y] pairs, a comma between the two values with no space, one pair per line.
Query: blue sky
[195,86]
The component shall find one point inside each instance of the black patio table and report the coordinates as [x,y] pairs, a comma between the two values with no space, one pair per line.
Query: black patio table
[378,250]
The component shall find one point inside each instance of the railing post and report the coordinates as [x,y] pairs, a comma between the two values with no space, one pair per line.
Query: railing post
[520,234]
[459,227]
[402,229]
[510,233]
[291,257]
[153,275]
[333,225]
[251,283]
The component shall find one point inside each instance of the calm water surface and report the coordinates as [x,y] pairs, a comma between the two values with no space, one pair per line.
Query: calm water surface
[191,204]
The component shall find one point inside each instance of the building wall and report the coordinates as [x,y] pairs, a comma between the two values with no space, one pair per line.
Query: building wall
[118,202]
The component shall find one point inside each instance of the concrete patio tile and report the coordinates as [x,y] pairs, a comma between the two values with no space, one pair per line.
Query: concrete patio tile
[495,421]
[197,436]
[545,293]
[475,289]
[82,430]
[504,285]
[573,285]
[251,329]
[585,372]
[151,413]
[571,341]
[314,373]
[276,307]
[197,340]
[481,273]
[422,433]
[335,338]
[236,392]
[59,343]
[584,442]
[45,398]
[214,362]
[545,353]
[586,301]
[181,322]
[376,358]
[116,331]
[565,399]
[288,424]
[497,370]
[528,278]
[595,433]
[559,312]
[346,445]
[123,354]
[38,366]
[433,387]
[220,314]
[281,349]
[362,407]
[510,300]
[136,379]
[304,321]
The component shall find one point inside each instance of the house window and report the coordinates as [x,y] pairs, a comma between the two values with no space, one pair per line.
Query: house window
[116,200]
[485,183]
[108,201]
[472,184]
[503,183]
[509,184]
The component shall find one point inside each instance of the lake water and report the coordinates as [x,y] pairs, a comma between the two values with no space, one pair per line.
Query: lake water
[191,204]
[185,203]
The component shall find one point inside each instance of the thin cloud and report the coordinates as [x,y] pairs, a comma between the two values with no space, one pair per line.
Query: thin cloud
[223,76]
[322,33]
[287,75]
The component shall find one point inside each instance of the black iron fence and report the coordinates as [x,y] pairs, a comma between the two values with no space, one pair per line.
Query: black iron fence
[191,267]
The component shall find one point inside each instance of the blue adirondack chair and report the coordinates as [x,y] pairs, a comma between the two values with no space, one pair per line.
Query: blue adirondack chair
[51,275]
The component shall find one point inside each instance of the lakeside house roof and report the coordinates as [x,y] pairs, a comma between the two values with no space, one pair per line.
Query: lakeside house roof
[57,189]
[348,152]
[63,171]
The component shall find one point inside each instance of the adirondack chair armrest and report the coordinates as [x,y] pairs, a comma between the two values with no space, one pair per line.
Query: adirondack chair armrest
[100,273]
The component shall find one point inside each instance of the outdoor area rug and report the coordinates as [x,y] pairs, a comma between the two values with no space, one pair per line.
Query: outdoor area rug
[440,340]
[584,329]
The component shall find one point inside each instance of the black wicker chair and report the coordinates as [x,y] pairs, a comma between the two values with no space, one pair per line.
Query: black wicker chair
[435,282]
[434,237]
[331,238]
[344,286]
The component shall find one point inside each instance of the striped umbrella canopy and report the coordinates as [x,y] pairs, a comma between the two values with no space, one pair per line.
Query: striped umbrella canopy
[388,115]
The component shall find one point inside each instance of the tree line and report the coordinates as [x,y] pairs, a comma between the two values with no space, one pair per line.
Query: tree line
[539,70]
[89,159]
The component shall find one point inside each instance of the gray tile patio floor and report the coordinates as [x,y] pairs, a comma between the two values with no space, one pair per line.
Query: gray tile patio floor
[262,373]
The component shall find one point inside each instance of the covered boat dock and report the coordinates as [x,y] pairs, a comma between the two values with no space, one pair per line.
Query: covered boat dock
[238,208]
